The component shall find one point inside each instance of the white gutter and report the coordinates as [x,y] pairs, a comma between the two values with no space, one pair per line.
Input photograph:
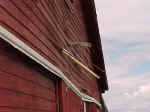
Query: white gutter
[21,46]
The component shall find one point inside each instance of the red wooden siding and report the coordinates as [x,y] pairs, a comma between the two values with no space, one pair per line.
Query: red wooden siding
[91,107]
[46,26]
[69,101]
[24,85]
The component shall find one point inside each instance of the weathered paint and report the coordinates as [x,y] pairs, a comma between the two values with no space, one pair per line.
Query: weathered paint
[26,50]
[91,107]
[24,85]
[48,25]
[69,101]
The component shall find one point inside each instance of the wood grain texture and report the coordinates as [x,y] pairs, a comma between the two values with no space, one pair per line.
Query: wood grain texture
[49,25]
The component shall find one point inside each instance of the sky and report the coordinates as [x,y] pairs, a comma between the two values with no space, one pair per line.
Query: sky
[125,32]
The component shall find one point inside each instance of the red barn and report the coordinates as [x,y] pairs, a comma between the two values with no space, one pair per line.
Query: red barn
[51,58]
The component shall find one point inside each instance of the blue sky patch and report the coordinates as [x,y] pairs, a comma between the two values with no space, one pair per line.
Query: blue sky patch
[142,67]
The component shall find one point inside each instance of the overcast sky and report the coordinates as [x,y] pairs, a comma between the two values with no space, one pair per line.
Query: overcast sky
[125,34]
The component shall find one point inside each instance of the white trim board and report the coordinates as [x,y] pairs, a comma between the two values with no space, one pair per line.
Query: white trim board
[21,46]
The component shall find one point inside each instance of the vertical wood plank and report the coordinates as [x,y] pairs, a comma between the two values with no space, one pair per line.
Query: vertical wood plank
[91,107]
[69,101]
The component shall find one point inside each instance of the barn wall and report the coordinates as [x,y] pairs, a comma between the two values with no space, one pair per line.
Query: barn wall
[69,101]
[48,25]
[94,37]
[24,85]
[91,107]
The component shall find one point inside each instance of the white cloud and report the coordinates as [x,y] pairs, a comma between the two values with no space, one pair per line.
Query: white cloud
[126,86]
[125,30]
[122,95]
[128,37]
[143,90]
[123,15]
